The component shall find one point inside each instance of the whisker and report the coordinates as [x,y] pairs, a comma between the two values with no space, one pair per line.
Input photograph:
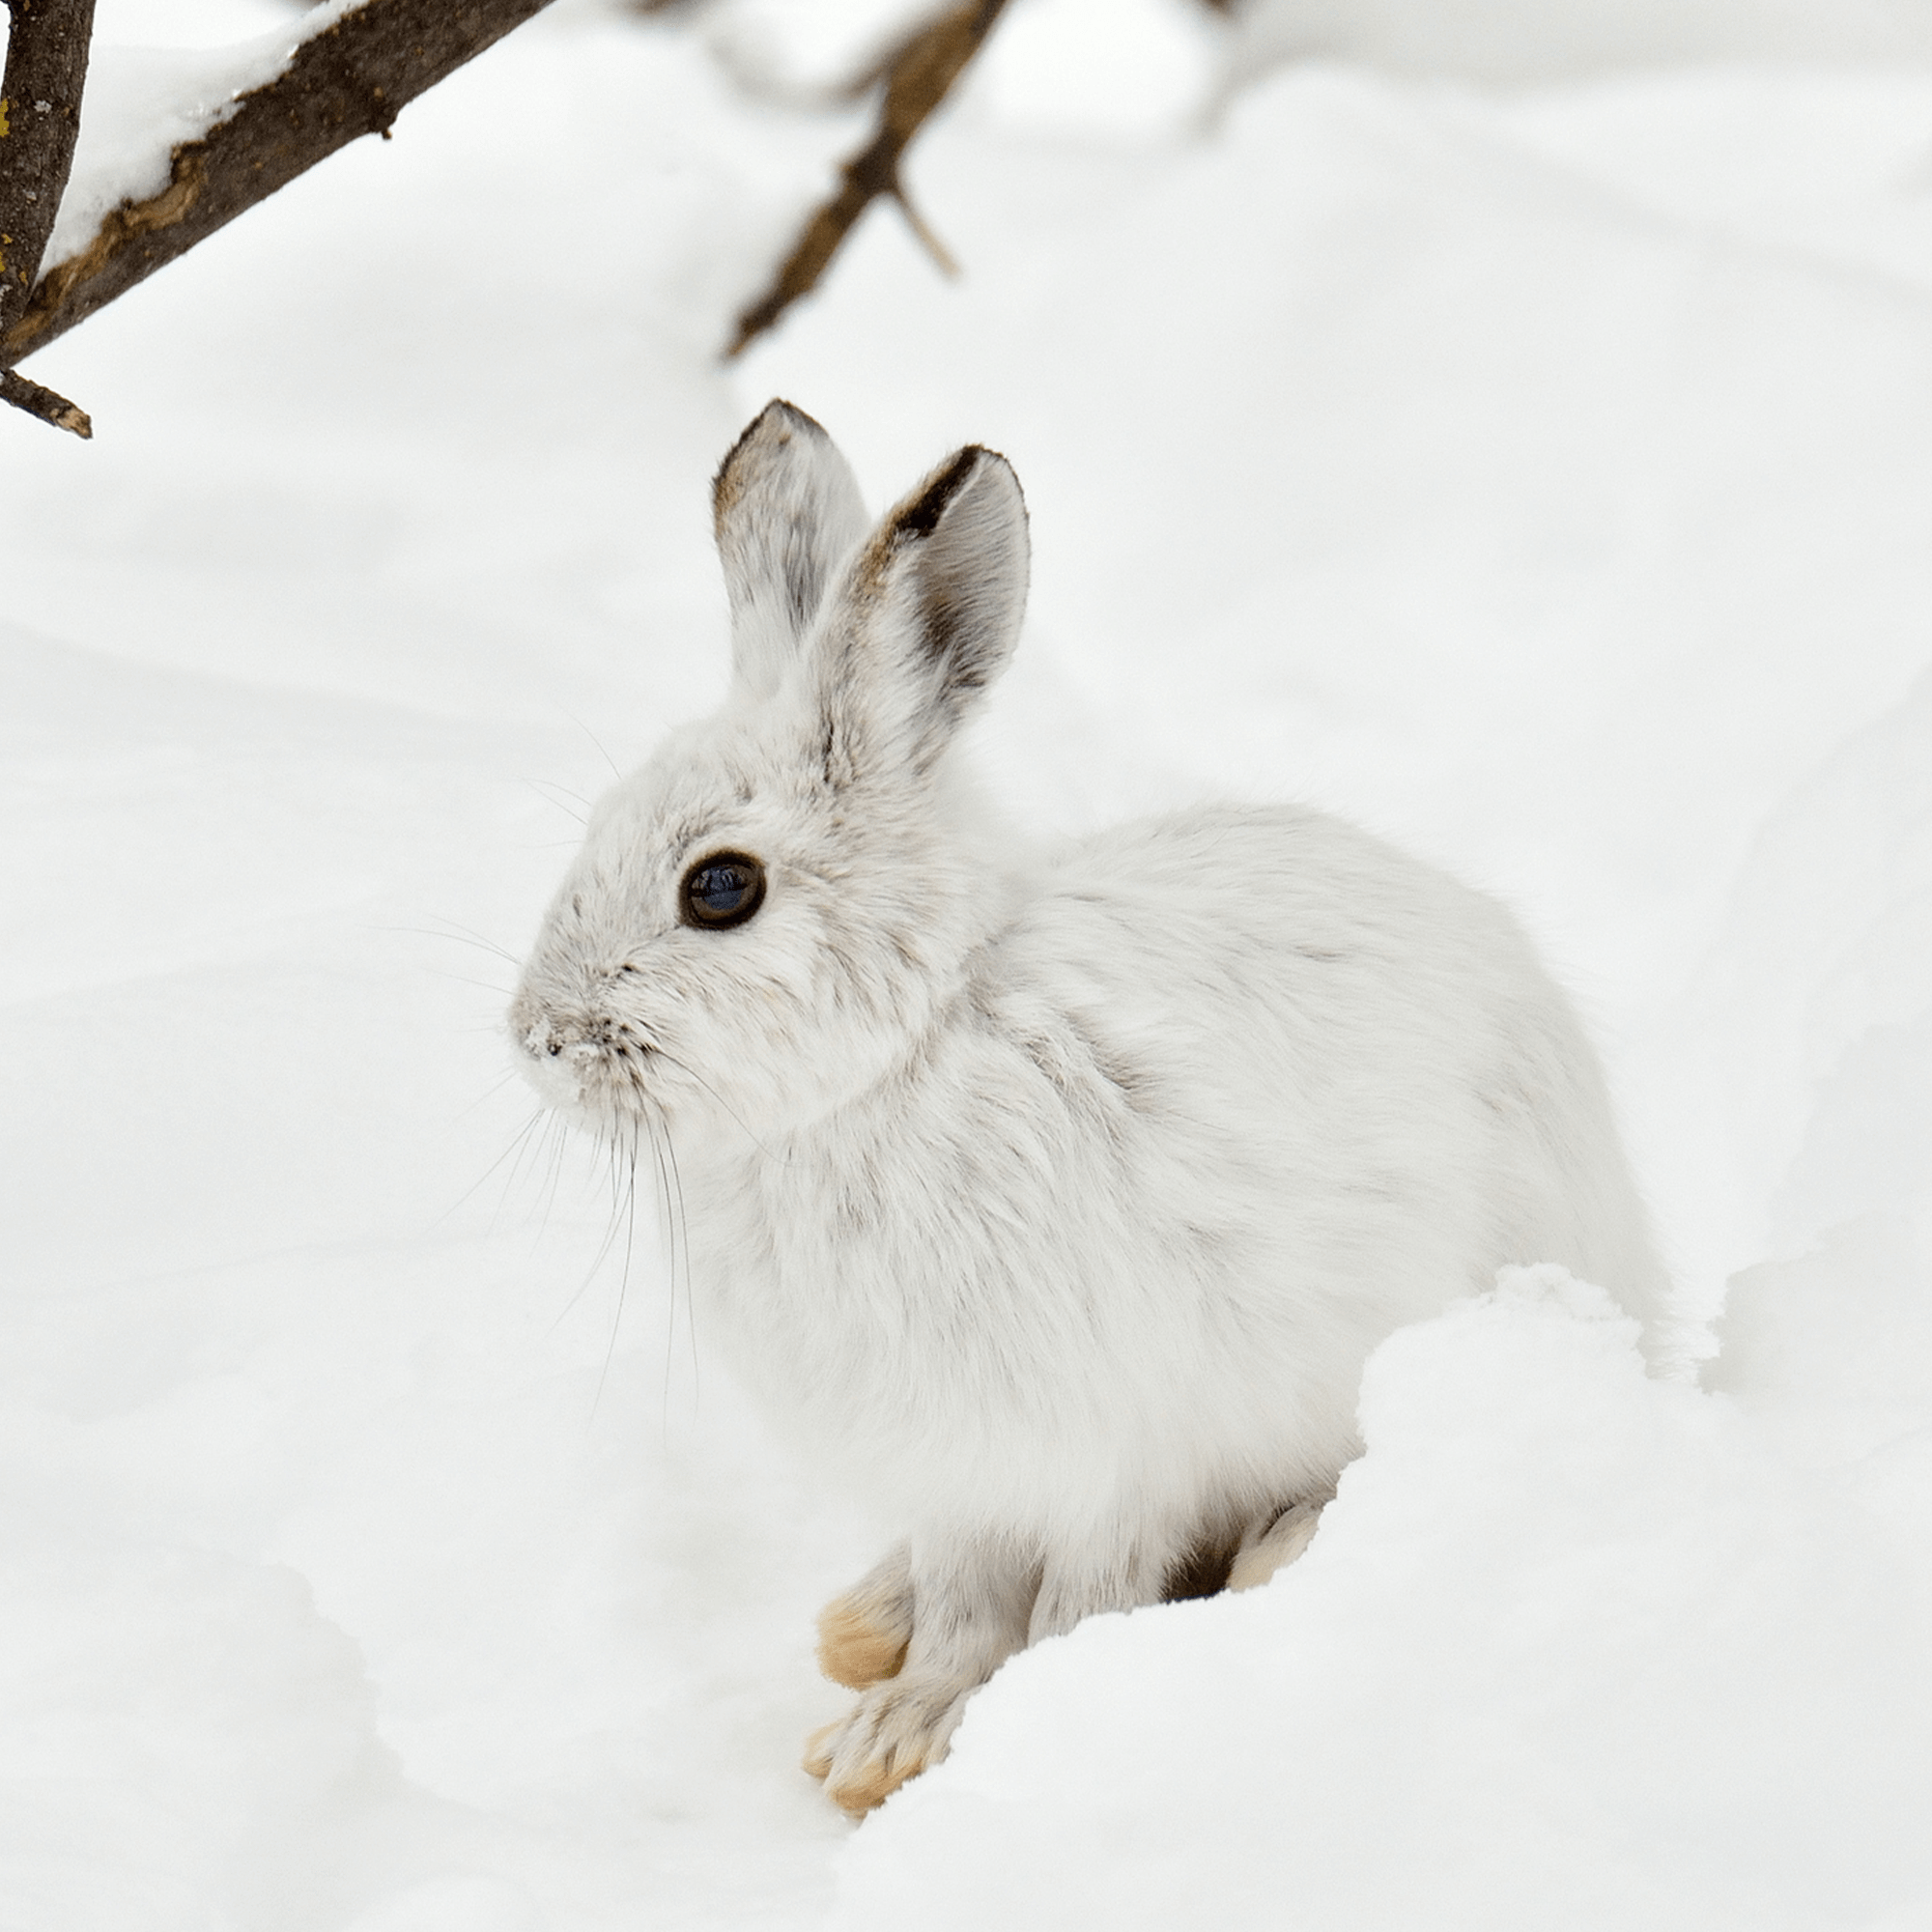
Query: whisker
[595,740]
[610,1142]
[559,1146]
[544,787]
[691,1074]
[528,1149]
[457,935]
[489,1092]
[672,1241]
[629,1211]
[683,1247]
[603,1246]
[523,1134]
[619,1139]
[463,980]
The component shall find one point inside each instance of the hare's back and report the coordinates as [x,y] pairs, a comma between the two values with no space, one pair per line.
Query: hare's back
[1347,1009]
[1287,910]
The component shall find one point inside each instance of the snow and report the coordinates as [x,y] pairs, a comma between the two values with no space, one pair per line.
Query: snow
[1539,477]
[141,102]
[1570,1648]
[1104,69]
[789,50]
[1529,41]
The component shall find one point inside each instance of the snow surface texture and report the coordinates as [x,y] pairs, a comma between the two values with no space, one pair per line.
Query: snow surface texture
[1542,479]
[141,102]
[1535,40]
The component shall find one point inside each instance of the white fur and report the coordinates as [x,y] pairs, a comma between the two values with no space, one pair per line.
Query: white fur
[1051,1197]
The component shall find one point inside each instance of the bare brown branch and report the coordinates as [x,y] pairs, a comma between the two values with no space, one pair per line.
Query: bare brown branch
[352,78]
[44,403]
[917,77]
[40,120]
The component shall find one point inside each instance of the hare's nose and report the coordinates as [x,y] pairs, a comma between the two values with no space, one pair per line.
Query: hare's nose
[547,1039]
[550,1036]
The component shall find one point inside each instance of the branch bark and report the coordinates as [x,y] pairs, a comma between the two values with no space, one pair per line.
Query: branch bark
[39,121]
[352,78]
[917,77]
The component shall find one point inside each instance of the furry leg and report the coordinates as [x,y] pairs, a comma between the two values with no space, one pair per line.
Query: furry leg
[973,1599]
[863,1635]
[1084,1584]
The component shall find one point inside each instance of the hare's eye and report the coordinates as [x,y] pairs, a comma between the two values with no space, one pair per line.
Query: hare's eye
[724,889]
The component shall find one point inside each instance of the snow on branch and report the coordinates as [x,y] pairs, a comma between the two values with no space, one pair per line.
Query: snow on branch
[350,77]
[39,121]
[917,76]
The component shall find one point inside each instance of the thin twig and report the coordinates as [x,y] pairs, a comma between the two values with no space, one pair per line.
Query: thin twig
[40,401]
[350,78]
[39,121]
[917,77]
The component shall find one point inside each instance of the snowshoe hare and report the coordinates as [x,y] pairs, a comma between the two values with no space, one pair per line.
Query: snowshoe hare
[1051,1199]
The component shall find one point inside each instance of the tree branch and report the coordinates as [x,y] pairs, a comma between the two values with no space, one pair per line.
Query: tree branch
[44,403]
[350,78]
[917,77]
[39,121]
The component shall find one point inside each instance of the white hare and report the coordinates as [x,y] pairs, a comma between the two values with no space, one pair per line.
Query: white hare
[1051,1196]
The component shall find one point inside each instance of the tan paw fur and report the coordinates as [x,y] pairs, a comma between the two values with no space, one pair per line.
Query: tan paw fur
[868,1787]
[861,1788]
[855,1651]
[818,1747]
[895,1731]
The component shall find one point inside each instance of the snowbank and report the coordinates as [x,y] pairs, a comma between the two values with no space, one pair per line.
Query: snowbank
[1570,1648]
[1523,41]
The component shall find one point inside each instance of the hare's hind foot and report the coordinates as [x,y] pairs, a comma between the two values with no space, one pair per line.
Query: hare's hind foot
[1274,1543]
[863,1635]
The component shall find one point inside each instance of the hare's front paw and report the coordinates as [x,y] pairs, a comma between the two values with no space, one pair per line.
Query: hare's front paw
[855,1648]
[898,1729]
[863,1635]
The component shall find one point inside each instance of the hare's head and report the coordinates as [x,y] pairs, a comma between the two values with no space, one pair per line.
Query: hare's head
[780,906]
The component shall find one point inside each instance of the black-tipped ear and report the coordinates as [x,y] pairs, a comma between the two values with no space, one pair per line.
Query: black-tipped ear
[938,595]
[787,511]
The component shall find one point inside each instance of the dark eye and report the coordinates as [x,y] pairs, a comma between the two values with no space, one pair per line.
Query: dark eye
[724,889]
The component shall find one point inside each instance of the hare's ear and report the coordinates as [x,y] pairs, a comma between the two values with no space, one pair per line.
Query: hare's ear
[936,599]
[787,511]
